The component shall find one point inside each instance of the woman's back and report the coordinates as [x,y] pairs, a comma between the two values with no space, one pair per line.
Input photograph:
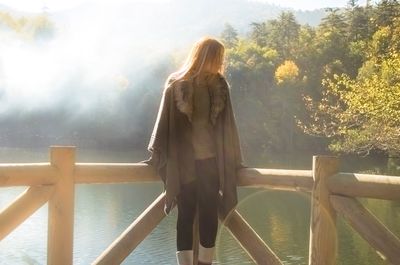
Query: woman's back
[195,148]
[202,130]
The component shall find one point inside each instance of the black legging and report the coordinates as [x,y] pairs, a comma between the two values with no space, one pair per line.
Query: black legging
[203,191]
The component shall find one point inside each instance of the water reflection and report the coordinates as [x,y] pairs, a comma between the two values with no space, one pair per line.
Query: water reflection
[282,221]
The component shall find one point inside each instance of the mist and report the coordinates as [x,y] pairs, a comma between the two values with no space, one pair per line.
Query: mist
[87,77]
[94,54]
[92,75]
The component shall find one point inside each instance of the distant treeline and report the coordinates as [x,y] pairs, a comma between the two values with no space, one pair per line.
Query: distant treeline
[337,85]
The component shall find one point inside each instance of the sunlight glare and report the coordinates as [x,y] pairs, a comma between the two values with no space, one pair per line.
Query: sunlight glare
[59,5]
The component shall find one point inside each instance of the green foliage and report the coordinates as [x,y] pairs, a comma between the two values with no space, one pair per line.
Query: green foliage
[259,33]
[339,81]
[358,21]
[331,38]
[386,12]
[250,68]
[229,36]
[362,114]
[281,34]
[266,110]
[250,56]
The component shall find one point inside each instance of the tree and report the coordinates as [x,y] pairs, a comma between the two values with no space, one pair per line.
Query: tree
[331,37]
[286,99]
[258,33]
[283,35]
[250,69]
[357,19]
[229,36]
[286,72]
[385,12]
[349,57]
[361,114]
[385,41]
[359,108]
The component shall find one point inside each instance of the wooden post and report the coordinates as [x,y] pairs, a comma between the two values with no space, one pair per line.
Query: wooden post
[61,208]
[323,237]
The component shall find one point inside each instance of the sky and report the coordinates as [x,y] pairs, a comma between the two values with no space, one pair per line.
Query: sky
[309,4]
[56,5]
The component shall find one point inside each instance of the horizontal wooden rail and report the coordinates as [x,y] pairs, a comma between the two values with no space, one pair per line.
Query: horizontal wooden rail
[139,172]
[27,174]
[348,184]
[23,207]
[282,179]
[114,173]
[364,185]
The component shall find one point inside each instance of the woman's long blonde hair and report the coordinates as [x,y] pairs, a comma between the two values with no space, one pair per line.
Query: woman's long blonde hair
[206,56]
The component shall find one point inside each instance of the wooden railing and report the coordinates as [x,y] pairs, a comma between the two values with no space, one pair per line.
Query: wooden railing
[332,193]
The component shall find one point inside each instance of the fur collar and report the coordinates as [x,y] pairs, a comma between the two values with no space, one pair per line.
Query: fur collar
[218,90]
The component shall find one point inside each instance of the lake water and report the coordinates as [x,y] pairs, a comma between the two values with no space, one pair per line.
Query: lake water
[102,212]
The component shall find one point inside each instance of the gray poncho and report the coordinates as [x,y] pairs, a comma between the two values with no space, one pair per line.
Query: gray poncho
[171,140]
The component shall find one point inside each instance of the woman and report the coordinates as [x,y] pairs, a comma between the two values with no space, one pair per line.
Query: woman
[195,148]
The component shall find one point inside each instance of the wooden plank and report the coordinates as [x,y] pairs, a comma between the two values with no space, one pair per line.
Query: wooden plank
[365,185]
[22,207]
[134,234]
[114,173]
[27,174]
[295,180]
[369,227]
[250,240]
[323,238]
[281,179]
[61,208]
